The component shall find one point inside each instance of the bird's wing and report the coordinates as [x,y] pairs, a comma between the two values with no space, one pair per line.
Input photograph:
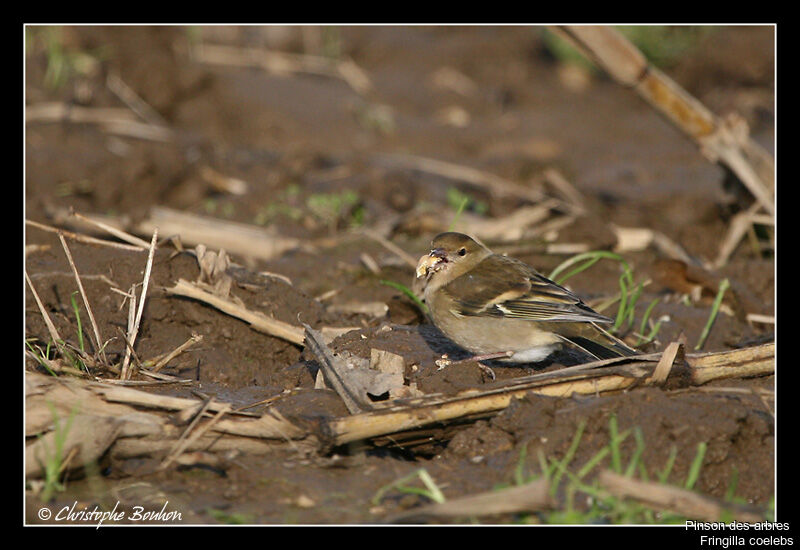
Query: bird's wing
[505,287]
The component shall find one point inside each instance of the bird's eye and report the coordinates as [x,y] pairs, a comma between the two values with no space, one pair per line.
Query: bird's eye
[462,252]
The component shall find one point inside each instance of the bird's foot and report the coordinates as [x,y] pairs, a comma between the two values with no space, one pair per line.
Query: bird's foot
[487,370]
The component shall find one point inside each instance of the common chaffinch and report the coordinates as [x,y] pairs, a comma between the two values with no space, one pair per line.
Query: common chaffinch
[489,304]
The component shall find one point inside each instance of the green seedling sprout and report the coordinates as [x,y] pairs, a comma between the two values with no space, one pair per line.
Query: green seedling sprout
[629,293]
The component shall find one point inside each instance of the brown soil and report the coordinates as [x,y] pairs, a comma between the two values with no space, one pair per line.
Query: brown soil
[291,137]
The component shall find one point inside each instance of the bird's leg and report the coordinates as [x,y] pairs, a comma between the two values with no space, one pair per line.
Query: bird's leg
[446,362]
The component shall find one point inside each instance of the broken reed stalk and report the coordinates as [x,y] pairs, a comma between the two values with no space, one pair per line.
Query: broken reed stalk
[720,140]
[589,379]
[725,141]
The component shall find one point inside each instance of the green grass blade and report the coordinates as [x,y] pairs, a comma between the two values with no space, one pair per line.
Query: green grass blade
[616,457]
[519,469]
[78,318]
[647,313]
[592,257]
[407,291]
[697,463]
[41,356]
[562,465]
[600,455]
[623,303]
[637,453]
[730,492]
[462,205]
[724,284]
[664,474]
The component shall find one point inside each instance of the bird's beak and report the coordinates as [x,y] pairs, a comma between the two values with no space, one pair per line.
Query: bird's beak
[430,261]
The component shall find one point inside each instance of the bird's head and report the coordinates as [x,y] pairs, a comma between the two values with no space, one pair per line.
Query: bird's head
[451,254]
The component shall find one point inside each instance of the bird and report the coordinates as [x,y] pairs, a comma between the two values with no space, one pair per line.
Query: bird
[500,307]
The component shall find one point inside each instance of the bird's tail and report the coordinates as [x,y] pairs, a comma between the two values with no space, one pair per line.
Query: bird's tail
[599,343]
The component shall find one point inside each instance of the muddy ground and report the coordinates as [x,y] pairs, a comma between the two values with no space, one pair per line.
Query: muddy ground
[505,105]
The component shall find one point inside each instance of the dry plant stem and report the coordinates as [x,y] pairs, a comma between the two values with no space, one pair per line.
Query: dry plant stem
[284,63]
[196,338]
[128,345]
[738,227]
[135,103]
[257,320]
[197,415]
[723,141]
[118,233]
[133,329]
[136,423]
[680,501]
[753,361]
[160,378]
[184,442]
[510,228]
[759,318]
[99,277]
[566,189]
[56,366]
[664,366]
[101,398]
[98,340]
[494,184]
[390,246]
[597,377]
[51,328]
[236,238]
[59,112]
[111,120]
[82,238]
[631,239]
[145,383]
[531,497]
[334,374]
